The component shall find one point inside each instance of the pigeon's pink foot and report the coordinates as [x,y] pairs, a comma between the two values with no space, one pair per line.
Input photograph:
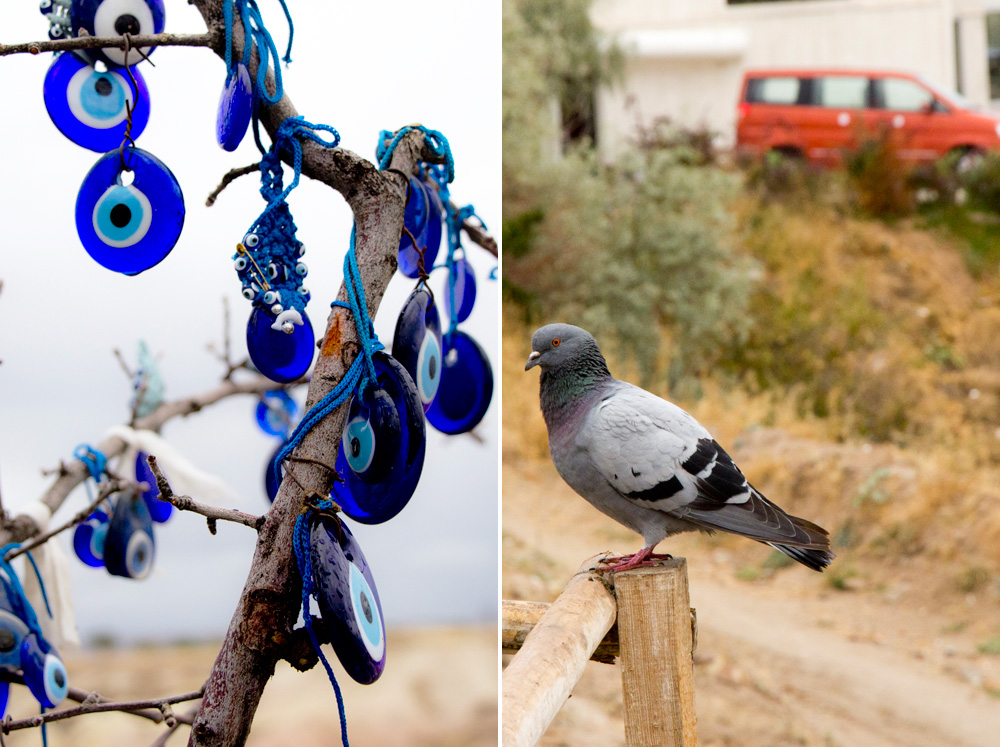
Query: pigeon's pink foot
[645,557]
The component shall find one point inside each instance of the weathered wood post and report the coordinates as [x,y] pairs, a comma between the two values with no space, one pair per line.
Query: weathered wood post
[655,640]
[553,656]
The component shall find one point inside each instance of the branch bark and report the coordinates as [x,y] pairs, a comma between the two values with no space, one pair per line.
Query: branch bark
[98,42]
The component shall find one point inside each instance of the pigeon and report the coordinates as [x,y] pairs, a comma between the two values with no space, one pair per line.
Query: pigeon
[647,463]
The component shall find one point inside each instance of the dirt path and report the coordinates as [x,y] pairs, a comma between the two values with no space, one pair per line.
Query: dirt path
[786,662]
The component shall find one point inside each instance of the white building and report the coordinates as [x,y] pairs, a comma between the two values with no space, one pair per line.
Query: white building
[686,58]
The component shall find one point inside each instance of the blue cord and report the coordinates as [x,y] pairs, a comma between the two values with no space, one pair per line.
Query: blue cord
[362,371]
[95,461]
[300,543]
[438,144]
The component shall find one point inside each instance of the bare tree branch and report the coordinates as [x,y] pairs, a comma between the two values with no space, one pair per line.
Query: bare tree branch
[107,488]
[105,42]
[230,176]
[95,706]
[186,503]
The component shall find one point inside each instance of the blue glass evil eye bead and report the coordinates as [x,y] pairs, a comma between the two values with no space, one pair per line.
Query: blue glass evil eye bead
[280,356]
[88,107]
[117,18]
[464,290]
[129,228]
[350,610]
[466,386]
[159,511]
[380,465]
[235,108]
[129,549]
[433,231]
[89,538]
[415,221]
[43,670]
[416,343]
[271,485]
[275,413]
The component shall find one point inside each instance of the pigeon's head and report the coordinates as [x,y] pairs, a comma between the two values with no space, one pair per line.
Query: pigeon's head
[556,344]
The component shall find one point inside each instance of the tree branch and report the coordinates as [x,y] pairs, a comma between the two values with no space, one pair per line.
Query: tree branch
[95,706]
[110,42]
[186,503]
[230,176]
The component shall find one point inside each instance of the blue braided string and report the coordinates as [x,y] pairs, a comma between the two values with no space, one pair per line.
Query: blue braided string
[300,544]
[95,461]
[361,372]
[287,138]
[437,142]
[22,607]
[454,220]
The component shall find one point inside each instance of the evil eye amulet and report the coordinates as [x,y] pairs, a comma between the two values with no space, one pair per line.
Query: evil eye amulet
[280,356]
[464,290]
[116,18]
[415,221]
[129,549]
[89,538]
[44,673]
[350,609]
[159,511]
[466,386]
[271,474]
[382,450]
[235,109]
[275,412]
[89,107]
[432,232]
[129,228]
[416,343]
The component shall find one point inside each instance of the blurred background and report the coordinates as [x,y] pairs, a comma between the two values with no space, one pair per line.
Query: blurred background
[829,316]
[360,68]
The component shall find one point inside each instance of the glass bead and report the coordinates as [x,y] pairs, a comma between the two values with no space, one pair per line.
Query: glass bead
[235,109]
[348,601]
[275,413]
[416,344]
[109,18]
[280,356]
[415,220]
[130,228]
[159,511]
[466,386]
[465,291]
[89,538]
[129,549]
[88,107]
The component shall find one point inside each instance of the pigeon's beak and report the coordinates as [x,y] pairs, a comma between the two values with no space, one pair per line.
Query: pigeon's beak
[532,360]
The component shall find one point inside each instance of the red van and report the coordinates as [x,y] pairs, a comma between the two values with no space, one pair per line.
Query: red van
[817,114]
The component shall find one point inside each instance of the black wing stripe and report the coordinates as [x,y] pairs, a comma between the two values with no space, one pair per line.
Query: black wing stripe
[704,453]
[659,492]
[725,481]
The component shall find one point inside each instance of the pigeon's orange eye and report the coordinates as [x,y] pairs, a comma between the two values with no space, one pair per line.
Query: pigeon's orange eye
[555,342]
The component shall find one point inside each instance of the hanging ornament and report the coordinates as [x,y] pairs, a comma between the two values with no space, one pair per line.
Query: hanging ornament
[147,384]
[111,18]
[275,413]
[381,452]
[416,218]
[130,211]
[416,343]
[461,292]
[273,474]
[56,12]
[89,538]
[350,610]
[466,386]
[159,511]
[24,649]
[91,107]
[280,337]
[129,549]
[235,108]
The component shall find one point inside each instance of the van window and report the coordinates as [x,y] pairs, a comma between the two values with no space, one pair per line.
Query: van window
[843,91]
[904,95]
[772,90]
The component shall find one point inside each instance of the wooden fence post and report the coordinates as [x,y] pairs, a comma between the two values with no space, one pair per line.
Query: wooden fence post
[551,661]
[655,639]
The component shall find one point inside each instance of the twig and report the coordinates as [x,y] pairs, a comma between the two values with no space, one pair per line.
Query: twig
[92,707]
[186,503]
[229,178]
[479,235]
[121,361]
[106,489]
[105,42]
[186,718]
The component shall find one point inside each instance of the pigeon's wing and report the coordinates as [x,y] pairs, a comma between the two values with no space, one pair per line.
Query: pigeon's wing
[658,456]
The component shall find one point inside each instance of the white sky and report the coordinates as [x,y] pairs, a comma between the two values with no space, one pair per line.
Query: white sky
[360,67]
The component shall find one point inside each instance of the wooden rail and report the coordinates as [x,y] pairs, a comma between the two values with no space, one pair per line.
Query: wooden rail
[654,639]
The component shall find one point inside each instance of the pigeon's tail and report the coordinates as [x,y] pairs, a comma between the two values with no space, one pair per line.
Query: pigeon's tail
[817,554]
[809,557]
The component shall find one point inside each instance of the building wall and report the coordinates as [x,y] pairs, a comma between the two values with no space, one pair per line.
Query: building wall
[686,58]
